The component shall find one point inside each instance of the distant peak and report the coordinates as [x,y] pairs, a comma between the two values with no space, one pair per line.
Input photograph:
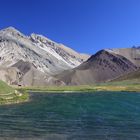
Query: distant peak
[103,51]
[10,29]
[135,47]
[98,54]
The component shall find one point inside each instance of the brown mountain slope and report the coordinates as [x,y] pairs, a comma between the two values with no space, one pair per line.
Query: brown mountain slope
[30,76]
[132,54]
[129,76]
[25,74]
[101,67]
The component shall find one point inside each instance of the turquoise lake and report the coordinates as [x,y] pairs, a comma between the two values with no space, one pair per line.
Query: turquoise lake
[73,116]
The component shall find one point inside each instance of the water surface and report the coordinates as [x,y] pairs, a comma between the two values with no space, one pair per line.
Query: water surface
[73,116]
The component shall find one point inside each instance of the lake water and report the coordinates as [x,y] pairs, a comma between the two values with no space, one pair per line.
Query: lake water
[69,116]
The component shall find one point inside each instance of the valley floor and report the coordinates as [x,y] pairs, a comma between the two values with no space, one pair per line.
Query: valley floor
[20,94]
[111,86]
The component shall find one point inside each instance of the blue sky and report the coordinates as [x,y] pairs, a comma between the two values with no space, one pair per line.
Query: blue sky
[84,25]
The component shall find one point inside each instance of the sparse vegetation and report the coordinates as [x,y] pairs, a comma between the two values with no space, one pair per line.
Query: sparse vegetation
[110,86]
[9,95]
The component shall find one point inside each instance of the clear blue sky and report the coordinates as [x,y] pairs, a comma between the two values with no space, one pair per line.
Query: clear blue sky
[84,25]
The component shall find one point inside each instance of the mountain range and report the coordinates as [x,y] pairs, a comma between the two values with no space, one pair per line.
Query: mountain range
[33,59]
[101,67]
[38,61]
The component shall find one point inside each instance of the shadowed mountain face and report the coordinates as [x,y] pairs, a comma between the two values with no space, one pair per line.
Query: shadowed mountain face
[24,67]
[28,75]
[101,67]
